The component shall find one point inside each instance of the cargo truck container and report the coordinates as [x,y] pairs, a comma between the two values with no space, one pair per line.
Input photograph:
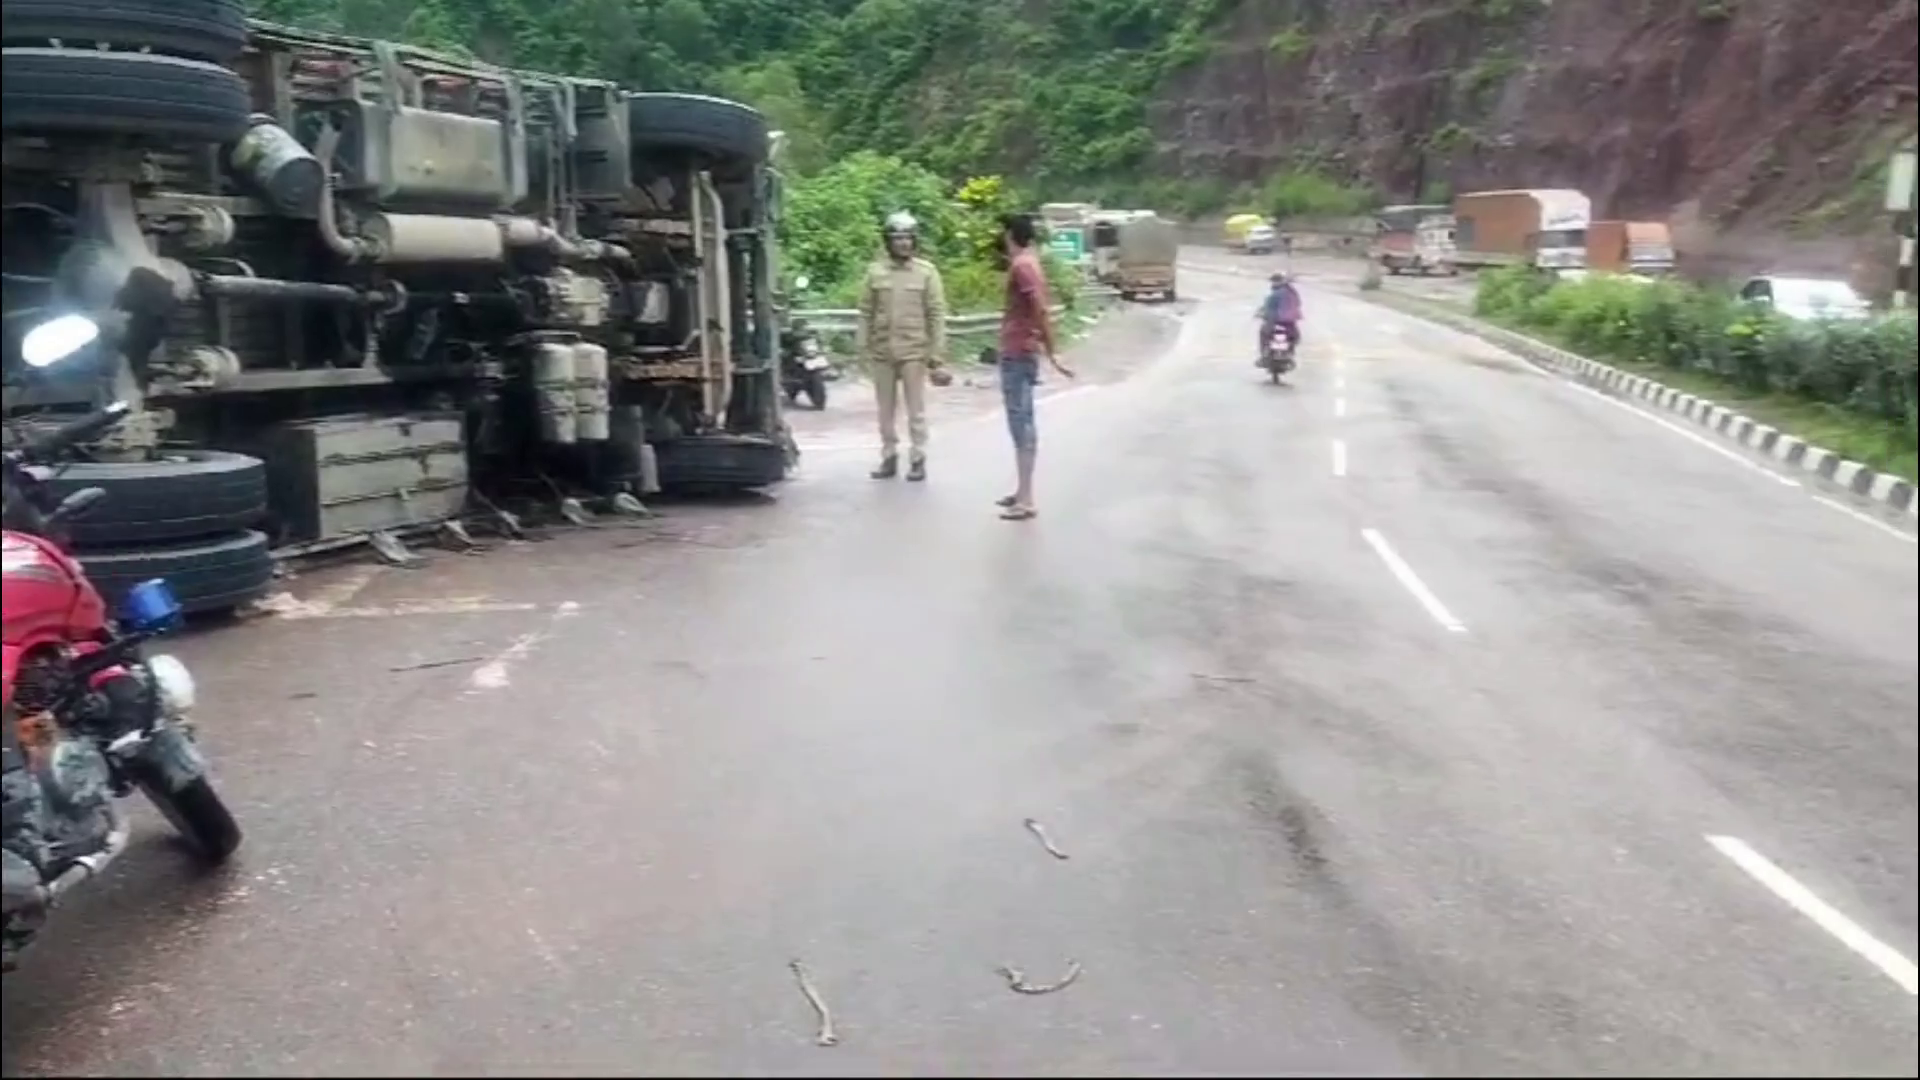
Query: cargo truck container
[1630,247]
[1147,251]
[1541,227]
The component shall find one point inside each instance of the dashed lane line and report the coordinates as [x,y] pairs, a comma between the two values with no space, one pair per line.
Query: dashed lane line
[1404,574]
[1889,960]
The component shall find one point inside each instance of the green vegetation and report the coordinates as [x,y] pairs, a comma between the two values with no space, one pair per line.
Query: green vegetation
[1291,43]
[1849,386]
[831,230]
[1055,94]
[1305,193]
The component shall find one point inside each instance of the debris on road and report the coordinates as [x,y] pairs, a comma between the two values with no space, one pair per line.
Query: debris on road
[1041,834]
[429,665]
[1017,980]
[827,1036]
[1204,677]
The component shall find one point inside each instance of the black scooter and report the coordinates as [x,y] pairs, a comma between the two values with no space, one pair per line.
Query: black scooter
[804,365]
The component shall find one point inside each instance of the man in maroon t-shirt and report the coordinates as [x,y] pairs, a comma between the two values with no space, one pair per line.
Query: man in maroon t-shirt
[1026,334]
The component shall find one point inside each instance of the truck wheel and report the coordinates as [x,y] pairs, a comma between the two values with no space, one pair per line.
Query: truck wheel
[213,30]
[706,125]
[106,93]
[206,575]
[720,463]
[185,494]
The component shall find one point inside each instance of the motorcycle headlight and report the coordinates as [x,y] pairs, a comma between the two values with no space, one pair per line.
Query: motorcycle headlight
[57,339]
[172,682]
[810,347]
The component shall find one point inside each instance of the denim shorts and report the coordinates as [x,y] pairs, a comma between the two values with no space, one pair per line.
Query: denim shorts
[1019,374]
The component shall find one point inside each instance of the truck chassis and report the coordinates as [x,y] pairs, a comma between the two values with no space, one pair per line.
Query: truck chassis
[356,288]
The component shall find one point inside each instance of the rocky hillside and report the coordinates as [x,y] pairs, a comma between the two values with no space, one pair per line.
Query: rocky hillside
[1746,115]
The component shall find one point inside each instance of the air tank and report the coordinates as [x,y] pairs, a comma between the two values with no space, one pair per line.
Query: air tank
[553,382]
[272,162]
[592,392]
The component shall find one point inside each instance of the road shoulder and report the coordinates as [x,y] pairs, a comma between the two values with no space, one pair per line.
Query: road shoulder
[1788,450]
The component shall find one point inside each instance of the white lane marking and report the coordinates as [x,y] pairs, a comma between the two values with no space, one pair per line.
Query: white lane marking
[1412,582]
[1340,382]
[494,674]
[1868,518]
[1339,457]
[1876,952]
[1694,436]
[1340,406]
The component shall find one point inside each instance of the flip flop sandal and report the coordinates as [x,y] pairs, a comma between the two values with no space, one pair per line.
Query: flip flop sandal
[1019,513]
[1006,502]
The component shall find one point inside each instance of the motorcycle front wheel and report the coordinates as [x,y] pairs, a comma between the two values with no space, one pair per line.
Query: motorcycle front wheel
[816,390]
[197,812]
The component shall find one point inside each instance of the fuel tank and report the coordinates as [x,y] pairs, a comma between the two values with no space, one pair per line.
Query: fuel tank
[44,595]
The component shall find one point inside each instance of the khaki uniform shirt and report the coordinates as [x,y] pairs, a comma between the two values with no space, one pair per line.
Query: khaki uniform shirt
[903,313]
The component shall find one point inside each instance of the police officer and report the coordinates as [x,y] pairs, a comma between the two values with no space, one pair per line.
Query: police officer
[903,337]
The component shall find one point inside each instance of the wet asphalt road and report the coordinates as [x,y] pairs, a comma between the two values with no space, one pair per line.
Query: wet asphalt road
[1385,719]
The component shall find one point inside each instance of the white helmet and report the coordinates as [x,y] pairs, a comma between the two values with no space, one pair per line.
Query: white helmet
[901,223]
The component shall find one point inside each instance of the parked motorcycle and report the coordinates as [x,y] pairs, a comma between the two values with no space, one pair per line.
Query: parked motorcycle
[804,366]
[88,715]
[1278,356]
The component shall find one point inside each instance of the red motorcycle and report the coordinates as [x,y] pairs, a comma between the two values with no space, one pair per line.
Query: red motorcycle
[89,717]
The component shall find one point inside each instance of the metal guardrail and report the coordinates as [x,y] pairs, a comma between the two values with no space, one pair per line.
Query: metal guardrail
[846,320]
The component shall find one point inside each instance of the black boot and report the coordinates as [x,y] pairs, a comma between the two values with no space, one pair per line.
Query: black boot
[917,470]
[889,468]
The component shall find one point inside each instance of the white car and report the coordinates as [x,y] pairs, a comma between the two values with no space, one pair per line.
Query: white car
[1260,240]
[1806,298]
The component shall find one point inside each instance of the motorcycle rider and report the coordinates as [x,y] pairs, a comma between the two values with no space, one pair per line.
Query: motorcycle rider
[1281,309]
[902,336]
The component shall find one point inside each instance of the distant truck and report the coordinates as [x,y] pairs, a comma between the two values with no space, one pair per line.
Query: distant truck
[1103,250]
[1415,238]
[1149,247]
[1630,247]
[1540,227]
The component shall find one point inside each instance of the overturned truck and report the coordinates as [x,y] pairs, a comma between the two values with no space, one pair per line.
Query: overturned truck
[356,289]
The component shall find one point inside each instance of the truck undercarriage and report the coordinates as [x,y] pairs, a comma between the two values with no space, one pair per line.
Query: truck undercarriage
[371,289]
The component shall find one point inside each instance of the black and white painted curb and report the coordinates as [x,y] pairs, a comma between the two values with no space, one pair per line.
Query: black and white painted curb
[1789,450]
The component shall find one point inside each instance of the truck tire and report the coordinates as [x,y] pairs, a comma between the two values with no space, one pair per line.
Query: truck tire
[105,93]
[707,125]
[720,463]
[206,575]
[184,495]
[213,30]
